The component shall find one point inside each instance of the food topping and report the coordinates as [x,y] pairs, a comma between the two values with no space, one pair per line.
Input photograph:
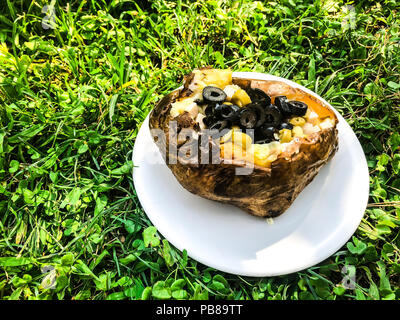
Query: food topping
[213,94]
[217,104]
[241,139]
[273,116]
[248,118]
[297,121]
[229,112]
[210,120]
[260,112]
[184,120]
[208,77]
[264,154]
[297,108]
[309,128]
[186,104]
[257,95]
[285,135]
[241,98]
[199,119]
[297,132]
[327,123]
[267,132]
[312,117]
[209,110]
[285,125]
[230,91]
[281,103]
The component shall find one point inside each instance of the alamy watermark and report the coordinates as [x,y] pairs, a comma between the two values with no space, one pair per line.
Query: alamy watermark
[350,18]
[349,279]
[50,280]
[49,20]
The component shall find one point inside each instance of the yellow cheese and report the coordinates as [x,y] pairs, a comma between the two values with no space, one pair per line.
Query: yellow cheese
[241,98]
[183,105]
[214,77]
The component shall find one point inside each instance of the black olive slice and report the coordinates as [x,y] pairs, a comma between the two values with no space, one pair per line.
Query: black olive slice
[248,118]
[229,112]
[297,108]
[286,125]
[257,107]
[213,94]
[209,121]
[267,132]
[272,116]
[209,110]
[219,125]
[258,95]
[217,111]
[282,103]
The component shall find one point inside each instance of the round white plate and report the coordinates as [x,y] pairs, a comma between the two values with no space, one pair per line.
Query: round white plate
[318,223]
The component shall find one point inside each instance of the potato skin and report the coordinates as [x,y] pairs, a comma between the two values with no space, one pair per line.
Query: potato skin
[266,192]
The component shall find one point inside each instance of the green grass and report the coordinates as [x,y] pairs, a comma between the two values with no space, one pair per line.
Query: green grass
[72,100]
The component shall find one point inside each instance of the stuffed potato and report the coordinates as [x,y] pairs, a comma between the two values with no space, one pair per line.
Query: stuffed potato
[283,134]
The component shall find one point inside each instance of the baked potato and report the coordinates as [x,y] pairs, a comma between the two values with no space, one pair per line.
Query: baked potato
[284,152]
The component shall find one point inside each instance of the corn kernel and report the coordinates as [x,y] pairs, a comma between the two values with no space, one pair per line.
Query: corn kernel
[241,98]
[297,121]
[285,135]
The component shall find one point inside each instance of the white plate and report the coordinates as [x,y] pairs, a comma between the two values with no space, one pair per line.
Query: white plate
[318,223]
